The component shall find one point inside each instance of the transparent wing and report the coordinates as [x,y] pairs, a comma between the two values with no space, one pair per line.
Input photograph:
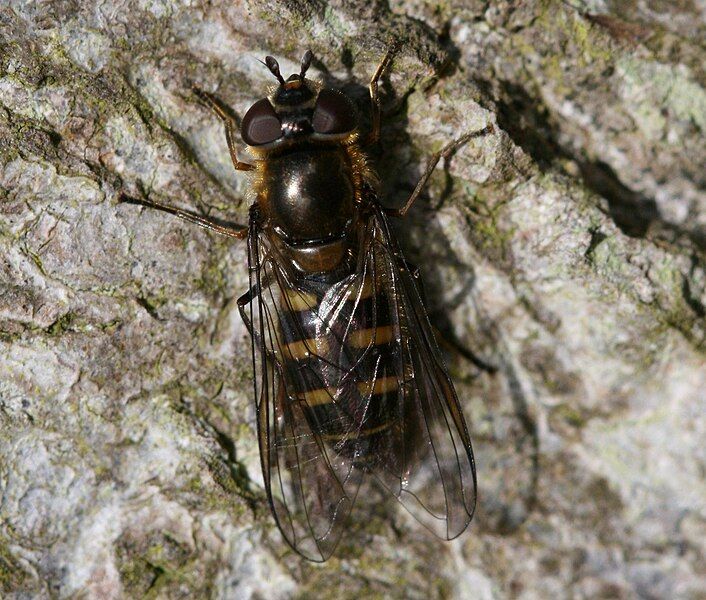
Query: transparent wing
[310,489]
[432,472]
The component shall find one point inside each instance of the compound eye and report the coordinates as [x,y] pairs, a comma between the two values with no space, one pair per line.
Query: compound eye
[260,124]
[334,113]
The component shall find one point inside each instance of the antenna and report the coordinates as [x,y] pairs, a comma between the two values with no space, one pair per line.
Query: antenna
[273,66]
[306,61]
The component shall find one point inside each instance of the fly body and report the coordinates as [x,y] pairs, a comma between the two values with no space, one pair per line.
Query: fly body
[350,386]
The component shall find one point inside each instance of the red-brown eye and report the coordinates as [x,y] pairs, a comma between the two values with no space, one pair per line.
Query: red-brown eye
[260,124]
[334,113]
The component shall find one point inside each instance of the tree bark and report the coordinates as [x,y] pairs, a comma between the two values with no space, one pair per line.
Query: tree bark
[566,249]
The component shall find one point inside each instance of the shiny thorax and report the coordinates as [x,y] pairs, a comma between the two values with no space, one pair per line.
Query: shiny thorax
[308,197]
[308,194]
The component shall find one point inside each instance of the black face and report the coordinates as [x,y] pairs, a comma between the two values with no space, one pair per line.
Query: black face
[297,110]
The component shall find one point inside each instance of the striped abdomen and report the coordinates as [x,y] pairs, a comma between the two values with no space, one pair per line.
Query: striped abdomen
[339,365]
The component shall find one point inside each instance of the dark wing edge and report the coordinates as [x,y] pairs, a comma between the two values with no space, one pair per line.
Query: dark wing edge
[310,501]
[435,446]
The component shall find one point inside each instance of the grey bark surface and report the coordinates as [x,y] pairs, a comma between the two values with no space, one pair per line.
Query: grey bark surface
[566,248]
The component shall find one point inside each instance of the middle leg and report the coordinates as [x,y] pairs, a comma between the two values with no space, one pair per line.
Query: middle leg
[445,153]
[235,231]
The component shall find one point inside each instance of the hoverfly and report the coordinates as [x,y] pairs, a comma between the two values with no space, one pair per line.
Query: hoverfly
[350,386]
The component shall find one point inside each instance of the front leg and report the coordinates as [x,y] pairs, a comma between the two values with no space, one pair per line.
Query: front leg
[374,136]
[228,122]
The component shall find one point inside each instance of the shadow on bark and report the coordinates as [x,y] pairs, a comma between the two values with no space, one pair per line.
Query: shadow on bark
[528,122]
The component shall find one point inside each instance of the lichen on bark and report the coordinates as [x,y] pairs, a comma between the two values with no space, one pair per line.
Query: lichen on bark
[566,249]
